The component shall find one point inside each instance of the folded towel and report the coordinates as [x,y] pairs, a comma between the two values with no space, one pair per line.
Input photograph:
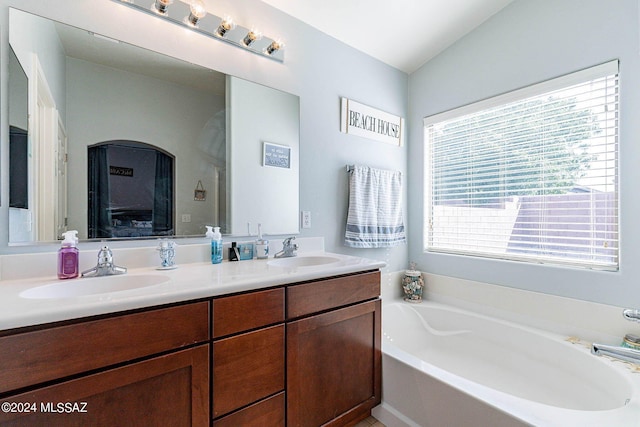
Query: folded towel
[375,209]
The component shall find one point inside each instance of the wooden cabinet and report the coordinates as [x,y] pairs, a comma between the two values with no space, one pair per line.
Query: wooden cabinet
[334,358]
[305,354]
[248,362]
[331,338]
[143,368]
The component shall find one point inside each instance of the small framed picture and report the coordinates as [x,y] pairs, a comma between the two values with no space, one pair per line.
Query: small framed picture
[275,155]
[200,194]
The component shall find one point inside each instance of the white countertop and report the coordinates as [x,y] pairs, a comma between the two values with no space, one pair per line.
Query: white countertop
[187,282]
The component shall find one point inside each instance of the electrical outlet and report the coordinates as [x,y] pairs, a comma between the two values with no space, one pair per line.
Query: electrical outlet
[306,219]
[186,217]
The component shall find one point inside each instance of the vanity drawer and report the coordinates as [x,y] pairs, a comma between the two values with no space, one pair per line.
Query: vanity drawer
[247,368]
[308,298]
[50,353]
[268,412]
[239,313]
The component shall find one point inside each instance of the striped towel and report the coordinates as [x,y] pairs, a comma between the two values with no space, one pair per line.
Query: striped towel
[375,209]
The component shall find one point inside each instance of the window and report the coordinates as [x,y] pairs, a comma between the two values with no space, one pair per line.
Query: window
[530,175]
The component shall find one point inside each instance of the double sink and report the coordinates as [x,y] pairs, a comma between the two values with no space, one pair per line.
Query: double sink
[128,282]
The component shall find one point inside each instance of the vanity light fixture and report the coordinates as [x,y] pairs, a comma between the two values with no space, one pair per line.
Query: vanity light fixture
[251,37]
[161,6]
[275,46]
[193,15]
[225,26]
[196,12]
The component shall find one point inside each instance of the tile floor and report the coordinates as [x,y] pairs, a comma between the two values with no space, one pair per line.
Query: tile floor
[369,422]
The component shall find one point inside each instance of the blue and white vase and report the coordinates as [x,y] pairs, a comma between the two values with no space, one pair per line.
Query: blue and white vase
[412,285]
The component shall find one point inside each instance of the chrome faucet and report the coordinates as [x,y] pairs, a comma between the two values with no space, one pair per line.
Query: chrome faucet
[631,314]
[288,248]
[105,266]
[623,353]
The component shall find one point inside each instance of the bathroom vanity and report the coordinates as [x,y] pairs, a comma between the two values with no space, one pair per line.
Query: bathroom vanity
[299,347]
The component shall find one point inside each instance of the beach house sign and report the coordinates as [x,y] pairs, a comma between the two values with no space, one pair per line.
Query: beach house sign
[362,120]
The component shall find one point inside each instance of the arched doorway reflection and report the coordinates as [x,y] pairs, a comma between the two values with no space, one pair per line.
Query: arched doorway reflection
[131,190]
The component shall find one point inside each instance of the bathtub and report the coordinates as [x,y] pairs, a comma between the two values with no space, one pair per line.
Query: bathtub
[443,366]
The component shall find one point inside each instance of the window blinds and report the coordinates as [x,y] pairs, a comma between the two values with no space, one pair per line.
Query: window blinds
[529,175]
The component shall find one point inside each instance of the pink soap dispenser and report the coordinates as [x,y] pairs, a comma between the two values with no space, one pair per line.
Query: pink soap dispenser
[68,265]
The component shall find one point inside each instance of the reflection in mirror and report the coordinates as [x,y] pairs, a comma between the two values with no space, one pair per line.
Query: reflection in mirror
[18,135]
[130,190]
[87,90]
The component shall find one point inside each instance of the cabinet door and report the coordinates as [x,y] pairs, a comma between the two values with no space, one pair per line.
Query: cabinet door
[334,366]
[170,390]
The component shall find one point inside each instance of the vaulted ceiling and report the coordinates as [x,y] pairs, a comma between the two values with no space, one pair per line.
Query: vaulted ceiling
[402,33]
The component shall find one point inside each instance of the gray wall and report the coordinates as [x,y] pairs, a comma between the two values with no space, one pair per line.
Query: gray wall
[317,68]
[528,42]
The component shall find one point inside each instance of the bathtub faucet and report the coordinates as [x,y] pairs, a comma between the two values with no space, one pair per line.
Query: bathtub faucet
[631,314]
[622,353]
[619,352]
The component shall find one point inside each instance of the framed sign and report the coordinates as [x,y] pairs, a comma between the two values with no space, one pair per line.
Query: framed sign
[274,155]
[362,120]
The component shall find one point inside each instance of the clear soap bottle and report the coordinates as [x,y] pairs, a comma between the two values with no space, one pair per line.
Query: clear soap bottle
[68,256]
[216,244]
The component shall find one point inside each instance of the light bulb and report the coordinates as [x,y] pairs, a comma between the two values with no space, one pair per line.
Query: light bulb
[274,46]
[162,5]
[226,25]
[197,12]
[252,36]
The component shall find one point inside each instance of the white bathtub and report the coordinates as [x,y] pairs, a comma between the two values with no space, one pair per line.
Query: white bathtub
[447,367]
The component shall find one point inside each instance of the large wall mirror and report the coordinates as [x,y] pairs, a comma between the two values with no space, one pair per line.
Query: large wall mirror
[122,142]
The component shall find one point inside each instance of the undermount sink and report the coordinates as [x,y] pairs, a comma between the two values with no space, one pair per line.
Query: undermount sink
[303,261]
[93,286]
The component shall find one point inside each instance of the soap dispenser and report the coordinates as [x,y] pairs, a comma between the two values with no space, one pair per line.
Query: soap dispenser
[68,256]
[216,244]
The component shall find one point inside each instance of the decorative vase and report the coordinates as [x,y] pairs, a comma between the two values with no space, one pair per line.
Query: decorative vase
[412,285]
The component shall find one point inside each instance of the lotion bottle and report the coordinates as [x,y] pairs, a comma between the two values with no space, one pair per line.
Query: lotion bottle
[216,244]
[68,256]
